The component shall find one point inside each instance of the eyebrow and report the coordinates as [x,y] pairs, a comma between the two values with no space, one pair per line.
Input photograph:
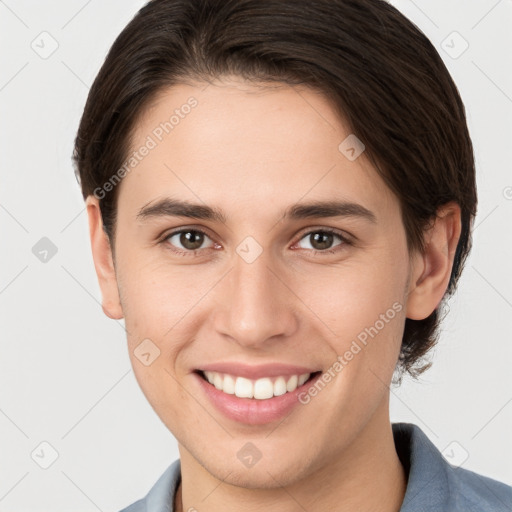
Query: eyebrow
[315,209]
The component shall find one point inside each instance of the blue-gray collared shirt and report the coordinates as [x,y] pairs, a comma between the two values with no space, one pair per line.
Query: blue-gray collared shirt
[433,484]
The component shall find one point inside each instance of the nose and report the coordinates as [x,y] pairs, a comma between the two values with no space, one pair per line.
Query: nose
[256,305]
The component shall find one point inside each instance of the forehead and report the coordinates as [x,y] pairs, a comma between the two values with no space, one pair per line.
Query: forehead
[233,142]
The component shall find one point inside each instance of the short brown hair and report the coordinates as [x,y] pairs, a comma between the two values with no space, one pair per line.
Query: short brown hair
[381,73]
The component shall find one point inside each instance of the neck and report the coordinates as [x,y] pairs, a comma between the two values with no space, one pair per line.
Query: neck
[367,476]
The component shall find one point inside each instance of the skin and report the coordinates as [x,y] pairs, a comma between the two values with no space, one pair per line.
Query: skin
[253,152]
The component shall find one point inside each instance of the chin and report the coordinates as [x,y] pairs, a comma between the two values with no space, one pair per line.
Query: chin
[264,474]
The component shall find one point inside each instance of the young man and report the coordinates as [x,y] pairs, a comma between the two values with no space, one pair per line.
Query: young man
[280,198]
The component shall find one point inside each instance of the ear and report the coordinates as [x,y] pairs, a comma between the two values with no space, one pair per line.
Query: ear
[430,274]
[103,261]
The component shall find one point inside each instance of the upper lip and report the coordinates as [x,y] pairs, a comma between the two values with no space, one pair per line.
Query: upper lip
[255,372]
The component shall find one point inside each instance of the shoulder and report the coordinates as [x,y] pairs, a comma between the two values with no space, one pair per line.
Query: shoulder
[160,498]
[138,506]
[434,484]
[476,491]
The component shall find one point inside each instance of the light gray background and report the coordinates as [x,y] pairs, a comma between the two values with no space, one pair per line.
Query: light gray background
[65,375]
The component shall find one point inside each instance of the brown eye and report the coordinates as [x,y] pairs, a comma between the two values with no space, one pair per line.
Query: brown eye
[322,240]
[187,239]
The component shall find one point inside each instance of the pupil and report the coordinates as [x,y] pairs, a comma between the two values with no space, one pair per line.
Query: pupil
[191,239]
[321,240]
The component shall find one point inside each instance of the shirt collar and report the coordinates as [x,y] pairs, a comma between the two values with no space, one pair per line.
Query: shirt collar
[427,482]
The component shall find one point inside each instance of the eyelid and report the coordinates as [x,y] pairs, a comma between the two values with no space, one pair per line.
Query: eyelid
[325,229]
[167,233]
[345,238]
[163,239]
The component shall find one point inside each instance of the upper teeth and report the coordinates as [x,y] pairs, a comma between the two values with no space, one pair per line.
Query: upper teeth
[260,389]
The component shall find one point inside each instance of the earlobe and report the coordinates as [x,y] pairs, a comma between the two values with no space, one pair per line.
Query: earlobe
[103,261]
[431,270]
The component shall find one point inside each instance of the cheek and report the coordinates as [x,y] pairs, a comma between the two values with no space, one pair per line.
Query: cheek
[159,385]
[359,310]
[156,296]
[157,301]
[350,299]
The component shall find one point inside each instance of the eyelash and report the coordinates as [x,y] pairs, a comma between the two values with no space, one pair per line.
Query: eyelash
[192,253]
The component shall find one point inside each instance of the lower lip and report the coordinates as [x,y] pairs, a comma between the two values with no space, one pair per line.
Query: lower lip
[253,411]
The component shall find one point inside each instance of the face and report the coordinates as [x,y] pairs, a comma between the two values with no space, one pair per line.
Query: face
[259,281]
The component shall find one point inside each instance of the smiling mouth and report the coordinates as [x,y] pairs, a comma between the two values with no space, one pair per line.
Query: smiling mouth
[259,389]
